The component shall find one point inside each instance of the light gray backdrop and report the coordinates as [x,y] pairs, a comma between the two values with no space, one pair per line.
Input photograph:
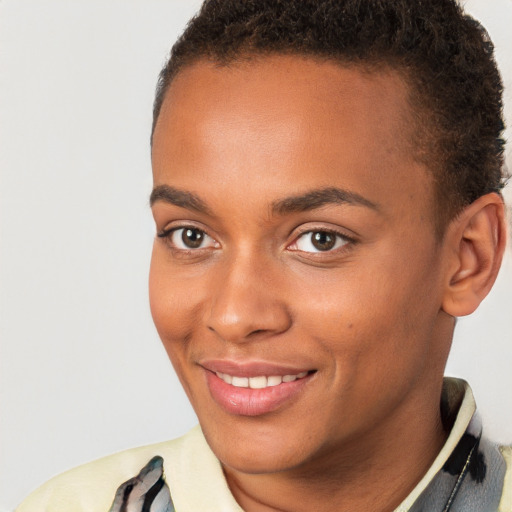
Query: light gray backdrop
[82,372]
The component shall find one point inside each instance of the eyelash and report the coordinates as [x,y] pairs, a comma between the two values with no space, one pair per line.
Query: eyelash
[168,235]
[341,240]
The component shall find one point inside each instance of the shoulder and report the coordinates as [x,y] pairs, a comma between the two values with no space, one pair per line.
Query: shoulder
[506,498]
[92,487]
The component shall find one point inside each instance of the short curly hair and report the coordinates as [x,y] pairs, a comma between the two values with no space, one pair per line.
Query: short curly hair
[445,56]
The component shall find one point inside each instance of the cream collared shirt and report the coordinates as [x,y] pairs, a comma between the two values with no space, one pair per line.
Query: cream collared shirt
[197,484]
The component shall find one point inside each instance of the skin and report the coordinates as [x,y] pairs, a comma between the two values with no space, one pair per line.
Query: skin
[372,317]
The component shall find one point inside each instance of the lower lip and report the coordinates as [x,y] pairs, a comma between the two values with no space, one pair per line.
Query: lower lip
[253,402]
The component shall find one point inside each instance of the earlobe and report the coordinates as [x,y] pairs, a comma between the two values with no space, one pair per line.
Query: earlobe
[478,239]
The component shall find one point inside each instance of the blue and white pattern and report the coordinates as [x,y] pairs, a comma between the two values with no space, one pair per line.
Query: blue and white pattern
[147,492]
[471,480]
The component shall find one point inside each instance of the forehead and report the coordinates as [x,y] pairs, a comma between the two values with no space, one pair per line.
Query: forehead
[303,122]
[288,86]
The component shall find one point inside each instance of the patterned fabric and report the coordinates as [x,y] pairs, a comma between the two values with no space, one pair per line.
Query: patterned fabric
[147,492]
[471,479]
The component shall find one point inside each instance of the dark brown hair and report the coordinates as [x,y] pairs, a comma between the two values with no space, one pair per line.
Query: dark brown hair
[445,56]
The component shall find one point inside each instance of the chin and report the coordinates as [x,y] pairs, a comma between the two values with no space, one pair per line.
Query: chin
[258,462]
[253,450]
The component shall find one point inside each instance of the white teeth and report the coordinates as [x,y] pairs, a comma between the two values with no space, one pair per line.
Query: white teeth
[274,380]
[228,379]
[259,382]
[240,382]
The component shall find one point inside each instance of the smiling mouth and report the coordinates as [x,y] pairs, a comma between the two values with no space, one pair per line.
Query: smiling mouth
[257,389]
[259,382]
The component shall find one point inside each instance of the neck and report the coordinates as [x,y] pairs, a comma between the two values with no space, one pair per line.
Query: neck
[373,472]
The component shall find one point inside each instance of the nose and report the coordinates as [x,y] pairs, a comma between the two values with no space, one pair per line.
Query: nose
[247,302]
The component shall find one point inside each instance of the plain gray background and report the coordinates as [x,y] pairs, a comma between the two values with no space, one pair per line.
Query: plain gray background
[82,372]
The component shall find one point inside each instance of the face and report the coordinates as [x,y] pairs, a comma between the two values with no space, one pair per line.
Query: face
[296,281]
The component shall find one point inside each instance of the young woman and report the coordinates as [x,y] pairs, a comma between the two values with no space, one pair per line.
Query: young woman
[326,196]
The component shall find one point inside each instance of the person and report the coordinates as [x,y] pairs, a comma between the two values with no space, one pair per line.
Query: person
[327,200]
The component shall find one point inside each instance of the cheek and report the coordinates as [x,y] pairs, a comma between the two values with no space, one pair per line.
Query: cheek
[174,313]
[372,321]
[376,339]
[173,304]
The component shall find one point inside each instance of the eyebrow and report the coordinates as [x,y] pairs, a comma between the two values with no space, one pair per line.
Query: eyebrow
[310,200]
[179,198]
[318,198]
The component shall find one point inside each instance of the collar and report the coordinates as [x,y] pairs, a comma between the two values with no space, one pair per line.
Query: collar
[466,476]
[468,473]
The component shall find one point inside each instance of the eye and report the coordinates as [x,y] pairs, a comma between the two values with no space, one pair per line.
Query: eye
[188,238]
[319,241]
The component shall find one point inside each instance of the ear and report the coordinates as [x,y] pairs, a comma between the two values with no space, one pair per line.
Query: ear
[477,240]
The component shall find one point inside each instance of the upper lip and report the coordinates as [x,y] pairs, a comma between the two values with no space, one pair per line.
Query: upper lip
[251,368]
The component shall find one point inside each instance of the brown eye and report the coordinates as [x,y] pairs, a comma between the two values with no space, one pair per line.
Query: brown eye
[319,241]
[323,241]
[188,238]
[192,238]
